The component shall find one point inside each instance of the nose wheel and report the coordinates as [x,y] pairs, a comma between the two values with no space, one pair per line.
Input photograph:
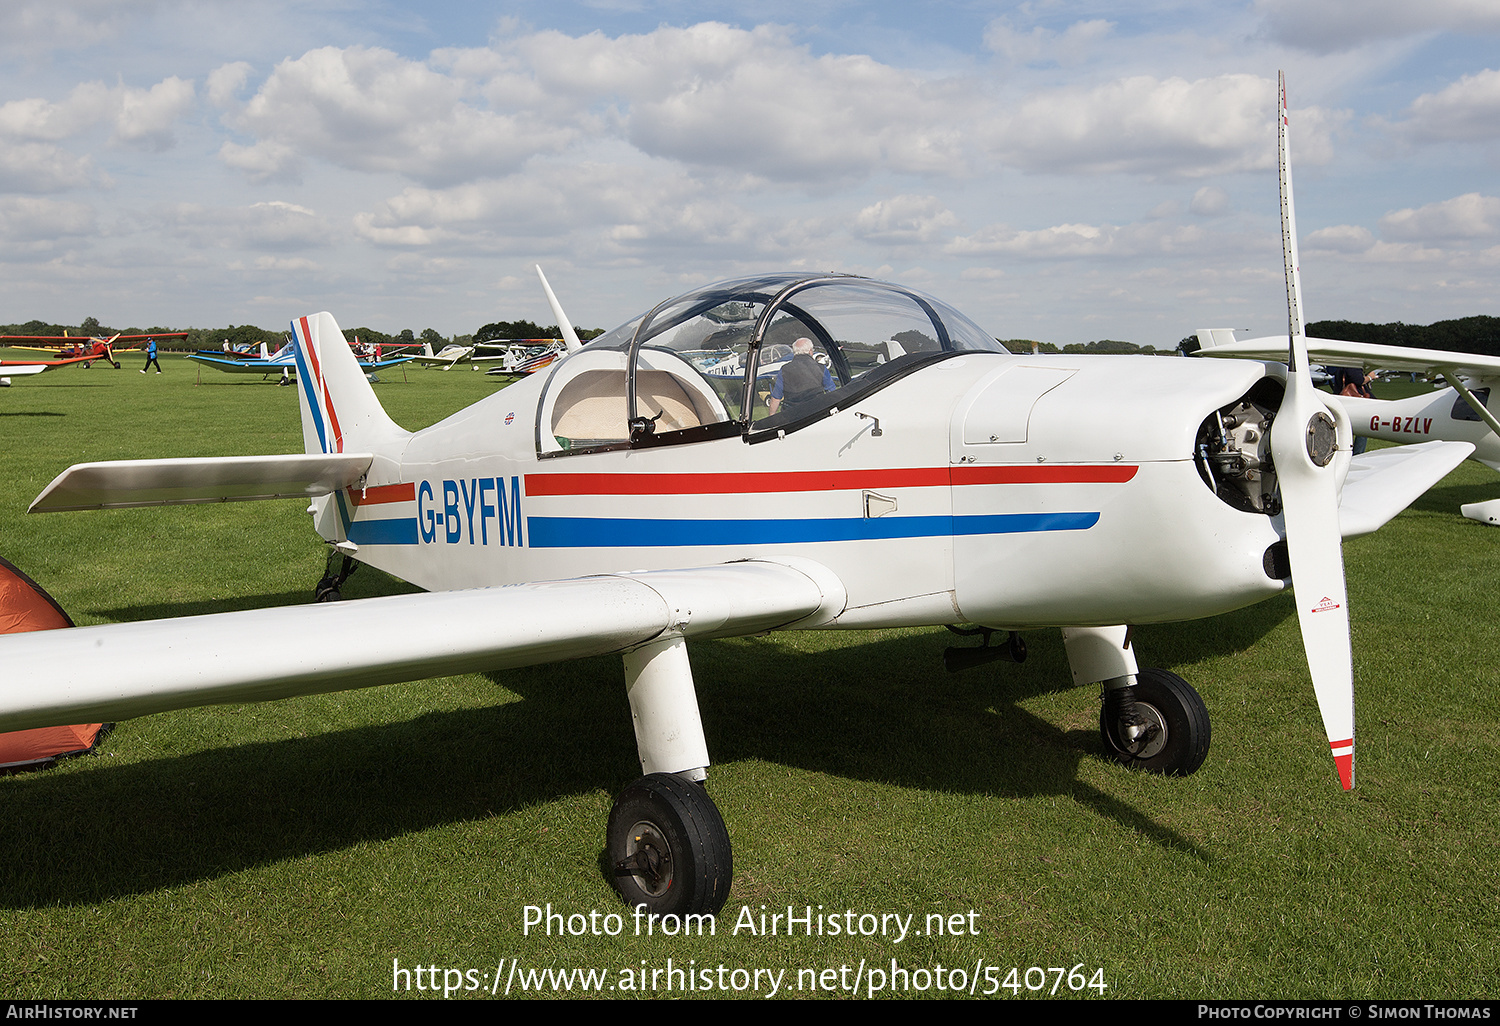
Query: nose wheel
[668,848]
[1159,725]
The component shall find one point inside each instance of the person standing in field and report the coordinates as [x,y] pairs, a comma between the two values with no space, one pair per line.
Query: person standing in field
[151,356]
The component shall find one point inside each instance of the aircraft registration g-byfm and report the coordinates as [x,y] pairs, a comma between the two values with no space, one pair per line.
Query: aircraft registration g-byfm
[900,468]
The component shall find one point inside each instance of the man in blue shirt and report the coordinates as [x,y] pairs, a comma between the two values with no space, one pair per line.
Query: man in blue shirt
[151,356]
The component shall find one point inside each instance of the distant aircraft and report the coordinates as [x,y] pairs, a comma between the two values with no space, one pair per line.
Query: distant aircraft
[521,356]
[446,358]
[282,362]
[82,349]
[84,352]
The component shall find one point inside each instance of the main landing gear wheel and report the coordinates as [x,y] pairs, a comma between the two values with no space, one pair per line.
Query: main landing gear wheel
[668,848]
[1167,733]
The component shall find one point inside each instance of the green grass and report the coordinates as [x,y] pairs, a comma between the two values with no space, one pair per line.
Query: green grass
[294,849]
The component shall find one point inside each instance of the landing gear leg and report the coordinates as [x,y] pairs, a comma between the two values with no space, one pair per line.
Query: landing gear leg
[667,846]
[328,588]
[1151,719]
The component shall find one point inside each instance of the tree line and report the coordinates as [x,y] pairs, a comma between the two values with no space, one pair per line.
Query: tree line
[238,335]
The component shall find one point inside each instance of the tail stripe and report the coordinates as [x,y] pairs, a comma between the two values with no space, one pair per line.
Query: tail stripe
[321,385]
[312,383]
[300,344]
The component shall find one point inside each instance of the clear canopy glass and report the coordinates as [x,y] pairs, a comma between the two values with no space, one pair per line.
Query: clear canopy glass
[768,352]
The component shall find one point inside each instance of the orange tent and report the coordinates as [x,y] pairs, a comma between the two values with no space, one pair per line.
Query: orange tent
[24,606]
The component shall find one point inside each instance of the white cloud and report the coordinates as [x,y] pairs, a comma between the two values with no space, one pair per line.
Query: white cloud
[28,219]
[1467,110]
[29,26]
[1040,45]
[1339,238]
[1210,201]
[34,118]
[266,161]
[372,110]
[145,117]
[1066,241]
[717,96]
[226,82]
[271,225]
[904,219]
[141,118]
[41,167]
[1159,127]
[1326,26]
[1470,216]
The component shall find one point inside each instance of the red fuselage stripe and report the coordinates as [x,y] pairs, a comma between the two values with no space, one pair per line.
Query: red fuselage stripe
[385,493]
[818,480]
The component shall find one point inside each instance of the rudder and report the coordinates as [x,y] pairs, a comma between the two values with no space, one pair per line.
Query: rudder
[340,412]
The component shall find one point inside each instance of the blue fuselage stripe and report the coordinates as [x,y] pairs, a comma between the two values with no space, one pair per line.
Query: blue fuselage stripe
[592,532]
[383,532]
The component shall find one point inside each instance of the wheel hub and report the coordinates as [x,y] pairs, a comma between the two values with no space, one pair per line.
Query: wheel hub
[648,858]
[1143,734]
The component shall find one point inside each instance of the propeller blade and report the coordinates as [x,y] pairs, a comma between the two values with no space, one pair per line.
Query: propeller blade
[1303,443]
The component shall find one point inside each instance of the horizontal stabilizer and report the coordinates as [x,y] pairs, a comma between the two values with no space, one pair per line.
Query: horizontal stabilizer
[124,483]
[1383,483]
[117,671]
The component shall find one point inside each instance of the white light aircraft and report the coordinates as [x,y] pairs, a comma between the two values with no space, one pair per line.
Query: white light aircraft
[626,502]
[445,357]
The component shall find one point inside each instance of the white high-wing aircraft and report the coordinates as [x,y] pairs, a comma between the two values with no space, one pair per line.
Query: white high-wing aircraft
[1465,411]
[445,357]
[626,502]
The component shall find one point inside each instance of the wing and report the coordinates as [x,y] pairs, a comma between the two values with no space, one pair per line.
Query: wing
[117,671]
[20,366]
[1221,342]
[1381,484]
[125,483]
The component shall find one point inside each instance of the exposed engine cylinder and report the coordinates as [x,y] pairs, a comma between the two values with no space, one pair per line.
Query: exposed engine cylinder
[1233,450]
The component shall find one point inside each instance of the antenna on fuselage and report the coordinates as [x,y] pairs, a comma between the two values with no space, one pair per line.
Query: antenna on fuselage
[570,337]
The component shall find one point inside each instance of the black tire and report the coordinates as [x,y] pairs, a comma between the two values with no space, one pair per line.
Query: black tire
[1177,734]
[668,848]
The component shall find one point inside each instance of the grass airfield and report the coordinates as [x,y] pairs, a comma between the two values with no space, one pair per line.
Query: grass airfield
[298,849]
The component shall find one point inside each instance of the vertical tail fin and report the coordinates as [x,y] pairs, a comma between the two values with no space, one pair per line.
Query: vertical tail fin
[339,410]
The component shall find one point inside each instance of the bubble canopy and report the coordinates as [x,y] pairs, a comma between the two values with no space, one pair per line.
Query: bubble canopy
[756,355]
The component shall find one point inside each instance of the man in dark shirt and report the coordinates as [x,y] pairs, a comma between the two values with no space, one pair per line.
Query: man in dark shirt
[800,382]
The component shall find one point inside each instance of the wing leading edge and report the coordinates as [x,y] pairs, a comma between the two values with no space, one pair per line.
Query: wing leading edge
[1221,342]
[117,671]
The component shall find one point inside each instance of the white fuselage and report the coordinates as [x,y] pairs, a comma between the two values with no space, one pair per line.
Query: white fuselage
[1003,490]
[1422,418]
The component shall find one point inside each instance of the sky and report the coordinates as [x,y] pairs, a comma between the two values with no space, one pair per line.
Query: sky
[1062,170]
